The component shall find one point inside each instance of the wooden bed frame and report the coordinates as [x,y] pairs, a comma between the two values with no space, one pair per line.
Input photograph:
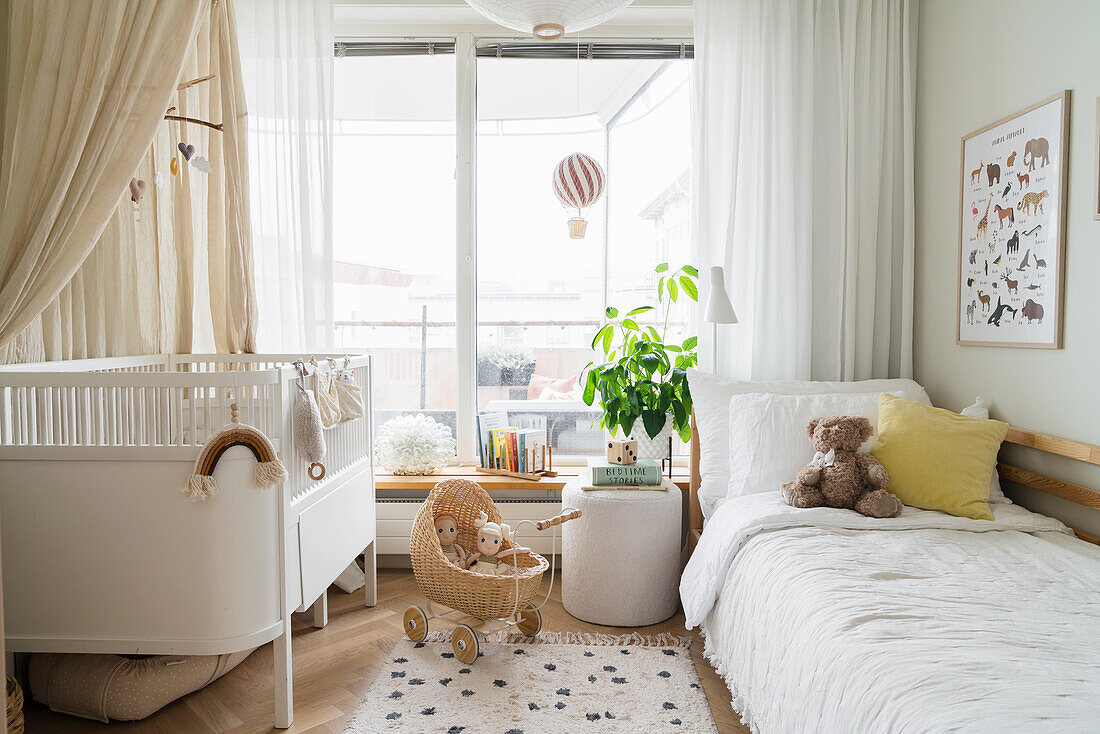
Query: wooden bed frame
[1085,452]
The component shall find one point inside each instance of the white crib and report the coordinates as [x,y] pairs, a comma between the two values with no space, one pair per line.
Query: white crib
[103,554]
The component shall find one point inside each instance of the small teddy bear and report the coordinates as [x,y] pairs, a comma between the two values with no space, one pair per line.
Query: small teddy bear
[446,529]
[839,475]
[489,558]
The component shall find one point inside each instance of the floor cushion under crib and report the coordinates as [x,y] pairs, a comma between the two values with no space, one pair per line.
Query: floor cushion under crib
[105,687]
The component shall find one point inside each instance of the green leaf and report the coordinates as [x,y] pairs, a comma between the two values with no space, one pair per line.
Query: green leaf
[690,270]
[590,388]
[665,361]
[599,335]
[608,334]
[673,348]
[661,268]
[611,312]
[649,362]
[664,403]
[689,287]
[640,309]
[630,324]
[654,421]
[653,335]
[690,343]
[673,290]
[626,421]
[661,289]
[679,413]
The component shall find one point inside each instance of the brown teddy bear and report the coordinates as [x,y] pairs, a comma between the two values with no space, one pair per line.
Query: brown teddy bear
[840,476]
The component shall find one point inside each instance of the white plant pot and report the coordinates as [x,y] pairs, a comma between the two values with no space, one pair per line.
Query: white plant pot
[656,447]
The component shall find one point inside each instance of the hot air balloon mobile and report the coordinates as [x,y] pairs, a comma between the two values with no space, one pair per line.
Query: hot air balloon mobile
[578,183]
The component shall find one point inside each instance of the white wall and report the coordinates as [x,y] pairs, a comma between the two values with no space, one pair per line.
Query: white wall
[981,60]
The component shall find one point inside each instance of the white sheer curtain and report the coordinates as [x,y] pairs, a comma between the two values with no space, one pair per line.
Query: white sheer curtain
[804,183]
[286,55]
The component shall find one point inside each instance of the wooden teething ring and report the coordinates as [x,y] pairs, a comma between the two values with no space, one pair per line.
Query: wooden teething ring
[319,466]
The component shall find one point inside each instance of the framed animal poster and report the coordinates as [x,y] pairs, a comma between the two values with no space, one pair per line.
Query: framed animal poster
[1012,229]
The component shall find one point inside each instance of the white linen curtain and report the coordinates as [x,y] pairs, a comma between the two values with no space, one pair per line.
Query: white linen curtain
[173,273]
[804,183]
[287,59]
[85,87]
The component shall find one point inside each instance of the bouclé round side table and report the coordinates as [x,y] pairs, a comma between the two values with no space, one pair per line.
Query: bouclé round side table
[621,561]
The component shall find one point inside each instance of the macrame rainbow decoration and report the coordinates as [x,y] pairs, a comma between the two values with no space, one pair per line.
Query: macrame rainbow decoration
[269,471]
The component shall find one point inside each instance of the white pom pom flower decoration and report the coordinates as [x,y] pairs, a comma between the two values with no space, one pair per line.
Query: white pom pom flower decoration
[414,444]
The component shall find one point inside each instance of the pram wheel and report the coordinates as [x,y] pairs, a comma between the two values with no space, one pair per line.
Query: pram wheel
[464,642]
[530,620]
[416,623]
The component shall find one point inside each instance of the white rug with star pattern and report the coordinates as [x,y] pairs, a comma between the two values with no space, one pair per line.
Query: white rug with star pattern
[553,682]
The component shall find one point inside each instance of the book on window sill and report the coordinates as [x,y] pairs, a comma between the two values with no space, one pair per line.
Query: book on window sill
[644,474]
[507,448]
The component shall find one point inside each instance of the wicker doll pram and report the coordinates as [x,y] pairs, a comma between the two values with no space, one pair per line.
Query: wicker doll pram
[506,600]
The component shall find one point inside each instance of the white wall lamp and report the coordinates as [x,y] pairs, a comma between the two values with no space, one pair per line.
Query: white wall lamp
[719,309]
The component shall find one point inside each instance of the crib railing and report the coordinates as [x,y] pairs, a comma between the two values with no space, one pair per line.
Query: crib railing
[124,407]
[169,401]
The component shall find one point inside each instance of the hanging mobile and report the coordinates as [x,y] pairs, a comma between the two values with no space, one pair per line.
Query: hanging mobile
[137,190]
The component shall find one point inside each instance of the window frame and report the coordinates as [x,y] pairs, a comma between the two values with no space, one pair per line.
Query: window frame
[466,46]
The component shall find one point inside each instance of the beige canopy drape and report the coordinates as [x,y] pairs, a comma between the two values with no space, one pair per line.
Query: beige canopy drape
[86,86]
[172,273]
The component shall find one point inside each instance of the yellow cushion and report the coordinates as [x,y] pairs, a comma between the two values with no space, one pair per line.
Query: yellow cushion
[937,459]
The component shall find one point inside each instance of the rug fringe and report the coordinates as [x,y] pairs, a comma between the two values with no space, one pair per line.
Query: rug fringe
[664,639]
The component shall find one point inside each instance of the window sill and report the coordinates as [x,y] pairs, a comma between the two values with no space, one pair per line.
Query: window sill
[385,480]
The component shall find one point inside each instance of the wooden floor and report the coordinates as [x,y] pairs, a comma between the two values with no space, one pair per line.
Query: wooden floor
[333,668]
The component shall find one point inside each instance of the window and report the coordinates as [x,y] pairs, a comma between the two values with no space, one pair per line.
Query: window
[538,295]
[394,227]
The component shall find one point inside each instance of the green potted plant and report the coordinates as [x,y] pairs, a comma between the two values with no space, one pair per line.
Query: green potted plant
[642,383]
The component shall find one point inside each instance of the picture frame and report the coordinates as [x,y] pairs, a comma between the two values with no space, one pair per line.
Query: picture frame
[1013,182]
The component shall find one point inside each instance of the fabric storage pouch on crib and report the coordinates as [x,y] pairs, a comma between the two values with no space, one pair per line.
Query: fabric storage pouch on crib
[328,400]
[349,395]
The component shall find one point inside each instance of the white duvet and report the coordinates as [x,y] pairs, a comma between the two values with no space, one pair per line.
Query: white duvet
[825,621]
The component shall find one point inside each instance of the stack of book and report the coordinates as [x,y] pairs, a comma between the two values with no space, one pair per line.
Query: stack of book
[508,448]
[645,474]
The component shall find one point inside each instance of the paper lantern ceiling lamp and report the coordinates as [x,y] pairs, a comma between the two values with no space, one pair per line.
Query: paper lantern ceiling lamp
[548,20]
[578,183]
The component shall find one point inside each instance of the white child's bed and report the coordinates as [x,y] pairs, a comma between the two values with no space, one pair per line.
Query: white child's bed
[826,621]
[103,553]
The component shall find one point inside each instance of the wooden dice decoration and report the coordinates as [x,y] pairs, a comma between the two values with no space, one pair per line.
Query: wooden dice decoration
[622,452]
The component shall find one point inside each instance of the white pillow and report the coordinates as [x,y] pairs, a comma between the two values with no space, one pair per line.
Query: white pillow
[768,441]
[980,409]
[710,396]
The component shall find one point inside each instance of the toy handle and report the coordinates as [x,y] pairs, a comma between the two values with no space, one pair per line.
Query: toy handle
[558,519]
